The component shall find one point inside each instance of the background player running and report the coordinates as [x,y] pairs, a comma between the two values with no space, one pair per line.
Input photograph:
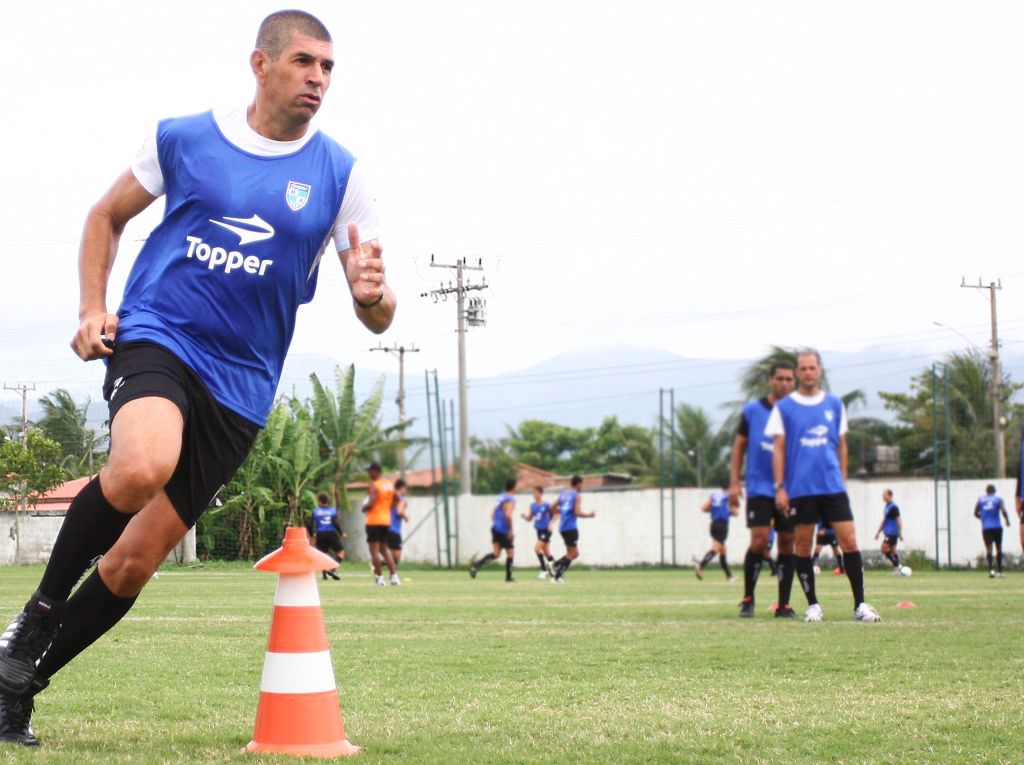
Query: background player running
[323,524]
[569,508]
[398,515]
[722,507]
[892,527]
[988,509]
[826,535]
[540,514]
[809,462]
[763,518]
[502,532]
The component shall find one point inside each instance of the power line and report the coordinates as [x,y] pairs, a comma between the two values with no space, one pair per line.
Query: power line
[998,422]
[400,351]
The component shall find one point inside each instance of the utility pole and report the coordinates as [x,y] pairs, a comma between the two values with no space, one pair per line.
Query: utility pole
[400,350]
[23,389]
[997,376]
[473,316]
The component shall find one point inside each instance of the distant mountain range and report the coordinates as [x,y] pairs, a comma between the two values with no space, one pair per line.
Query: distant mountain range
[580,389]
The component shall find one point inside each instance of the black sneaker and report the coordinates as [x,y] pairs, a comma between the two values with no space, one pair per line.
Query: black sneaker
[747,608]
[25,641]
[472,567]
[16,716]
[785,612]
[333,576]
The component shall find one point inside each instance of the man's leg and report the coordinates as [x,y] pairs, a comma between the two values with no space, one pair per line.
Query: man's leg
[804,568]
[509,557]
[846,535]
[754,559]
[786,566]
[145,443]
[571,554]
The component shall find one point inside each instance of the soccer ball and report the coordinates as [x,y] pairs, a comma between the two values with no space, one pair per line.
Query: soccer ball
[906,571]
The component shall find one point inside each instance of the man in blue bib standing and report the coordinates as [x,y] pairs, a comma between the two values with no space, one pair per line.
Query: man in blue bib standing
[195,351]
[809,463]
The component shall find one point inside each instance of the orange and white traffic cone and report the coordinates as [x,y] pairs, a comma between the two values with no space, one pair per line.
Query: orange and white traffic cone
[298,711]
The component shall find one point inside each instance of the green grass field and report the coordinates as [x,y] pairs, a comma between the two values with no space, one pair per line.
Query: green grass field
[614,667]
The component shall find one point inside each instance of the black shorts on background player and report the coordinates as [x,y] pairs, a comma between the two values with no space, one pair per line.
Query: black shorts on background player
[571,537]
[328,541]
[832,508]
[992,536]
[377,533]
[394,541]
[502,540]
[215,440]
[892,540]
[761,511]
[719,531]
[544,535]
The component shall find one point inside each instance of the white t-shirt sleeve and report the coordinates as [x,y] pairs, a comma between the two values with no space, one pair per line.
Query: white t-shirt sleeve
[146,167]
[774,426]
[844,425]
[360,207]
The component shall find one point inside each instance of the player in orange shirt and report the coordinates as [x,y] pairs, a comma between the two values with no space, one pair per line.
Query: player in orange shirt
[377,507]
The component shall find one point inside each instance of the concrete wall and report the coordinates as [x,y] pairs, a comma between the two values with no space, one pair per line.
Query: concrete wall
[626,531]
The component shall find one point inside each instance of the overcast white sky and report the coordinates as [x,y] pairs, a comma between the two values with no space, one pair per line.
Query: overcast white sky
[702,177]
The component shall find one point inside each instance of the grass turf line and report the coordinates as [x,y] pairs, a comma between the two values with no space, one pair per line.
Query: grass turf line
[632,666]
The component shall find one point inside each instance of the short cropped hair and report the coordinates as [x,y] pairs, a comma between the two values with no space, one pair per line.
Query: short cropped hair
[990,489]
[510,484]
[809,352]
[777,366]
[276,30]
[323,499]
[400,483]
[576,481]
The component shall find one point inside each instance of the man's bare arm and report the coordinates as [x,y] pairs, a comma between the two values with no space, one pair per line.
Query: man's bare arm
[364,269]
[844,456]
[100,238]
[739,451]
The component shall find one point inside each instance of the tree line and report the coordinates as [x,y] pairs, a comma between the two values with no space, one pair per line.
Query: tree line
[321,443]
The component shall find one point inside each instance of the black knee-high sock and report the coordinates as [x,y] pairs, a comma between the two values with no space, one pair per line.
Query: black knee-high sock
[999,560]
[485,560]
[840,561]
[989,556]
[508,569]
[855,573]
[805,572]
[708,556]
[90,613]
[543,563]
[752,563]
[90,528]
[787,566]
[725,565]
[896,558]
[562,566]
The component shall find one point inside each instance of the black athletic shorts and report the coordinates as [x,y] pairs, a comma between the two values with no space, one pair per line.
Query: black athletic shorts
[328,540]
[570,537]
[502,540]
[720,531]
[822,507]
[992,536]
[544,535]
[762,510]
[394,541]
[215,441]
[377,533]
[892,540]
[826,537]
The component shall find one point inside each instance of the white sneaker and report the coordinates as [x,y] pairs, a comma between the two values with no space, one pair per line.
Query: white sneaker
[865,613]
[817,570]
[896,571]
[814,614]
[379,581]
[395,580]
[991,573]
[557,580]
[543,575]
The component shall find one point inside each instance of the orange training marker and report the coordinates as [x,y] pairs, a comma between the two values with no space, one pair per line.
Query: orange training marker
[905,604]
[298,711]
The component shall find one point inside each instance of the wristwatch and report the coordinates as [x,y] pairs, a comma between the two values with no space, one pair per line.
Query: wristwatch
[779,485]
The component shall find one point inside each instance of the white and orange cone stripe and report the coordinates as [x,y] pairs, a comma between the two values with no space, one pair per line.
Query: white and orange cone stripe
[298,710]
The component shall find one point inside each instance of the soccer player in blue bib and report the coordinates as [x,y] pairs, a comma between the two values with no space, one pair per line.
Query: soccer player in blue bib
[568,509]
[502,532]
[987,509]
[809,464]
[826,535]
[398,516]
[540,514]
[323,524]
[755,448]
[252,198]
[722,507]
[892,527]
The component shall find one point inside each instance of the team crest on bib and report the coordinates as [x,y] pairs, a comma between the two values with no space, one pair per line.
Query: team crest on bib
[296,195]
[828,415]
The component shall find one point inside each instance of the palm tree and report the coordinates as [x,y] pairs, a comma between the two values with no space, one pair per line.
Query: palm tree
[64,421]
[295,464]
[701,451]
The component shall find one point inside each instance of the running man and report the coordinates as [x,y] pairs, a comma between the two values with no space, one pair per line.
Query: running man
[988,509]
[323,524]
[809,462]
[503,533]
[892,527]
[540,514]
[398,515]
[568,509]
[825,535]
[377,506]
[722,507]
[196,348]
[755,448]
